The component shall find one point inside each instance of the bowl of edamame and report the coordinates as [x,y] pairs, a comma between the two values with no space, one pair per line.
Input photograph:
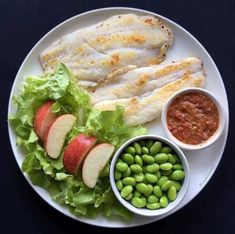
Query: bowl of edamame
[149,175]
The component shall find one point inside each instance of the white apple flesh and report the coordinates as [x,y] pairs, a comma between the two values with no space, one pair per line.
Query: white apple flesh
[55,137]
[95,162]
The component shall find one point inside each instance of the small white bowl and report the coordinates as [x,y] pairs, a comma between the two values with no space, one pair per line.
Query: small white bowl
[210,140]
[182,192]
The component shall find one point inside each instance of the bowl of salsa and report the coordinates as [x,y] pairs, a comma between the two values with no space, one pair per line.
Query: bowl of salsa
[193,118]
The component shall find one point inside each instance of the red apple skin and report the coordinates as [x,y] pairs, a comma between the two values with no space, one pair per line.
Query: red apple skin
[43,119]
[76,151]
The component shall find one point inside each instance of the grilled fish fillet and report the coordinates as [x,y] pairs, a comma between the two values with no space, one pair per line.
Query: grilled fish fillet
[143,109]
[95,52]
[143,80]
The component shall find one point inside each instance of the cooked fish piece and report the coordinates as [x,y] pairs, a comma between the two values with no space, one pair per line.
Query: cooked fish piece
[142,80]
[140,110]
[94,52]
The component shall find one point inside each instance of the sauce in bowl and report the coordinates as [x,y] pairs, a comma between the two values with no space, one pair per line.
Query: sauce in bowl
[193,118]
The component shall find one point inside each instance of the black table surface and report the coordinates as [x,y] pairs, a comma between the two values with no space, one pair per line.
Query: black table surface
[23,23]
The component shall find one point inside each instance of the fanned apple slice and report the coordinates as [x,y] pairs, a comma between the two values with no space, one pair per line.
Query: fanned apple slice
[55,137]
[76,151]
[95,162]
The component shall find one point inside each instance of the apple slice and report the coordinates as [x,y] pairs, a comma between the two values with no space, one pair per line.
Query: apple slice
[56,134]
[43,119]
[95,163]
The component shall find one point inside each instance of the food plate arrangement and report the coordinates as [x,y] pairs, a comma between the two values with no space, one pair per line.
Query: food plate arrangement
[184,49]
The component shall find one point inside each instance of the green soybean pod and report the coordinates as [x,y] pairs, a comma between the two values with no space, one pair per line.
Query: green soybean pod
[149,144]
[148,159]
[178,175]
[177,185]
[129,197]
[158,174]
[157,191]
[149,190]
[138,202]
[177,166]
[171,159]
[129,181]
[138,160]
[166,150]
[145,150]
[137,194]
[142,143]
[137,148]
[130,150]
[152,168]
[163,201]
[156,147]
[153,206]
[117,175]
[166,185]
[127,172]
[121,166]
[128,158]
[119,185]
[166,166]
[161,158]
[136,168]
[166,173]
[151,178]
[162,180]
[172,194]
[142,188]
[152,199]
[126,191]
[139,177]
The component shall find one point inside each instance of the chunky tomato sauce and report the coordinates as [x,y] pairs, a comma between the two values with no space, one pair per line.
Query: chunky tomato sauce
[192,118]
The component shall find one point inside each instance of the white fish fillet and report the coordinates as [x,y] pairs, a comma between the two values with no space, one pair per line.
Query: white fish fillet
[143,80]
[94,52]
[140,110]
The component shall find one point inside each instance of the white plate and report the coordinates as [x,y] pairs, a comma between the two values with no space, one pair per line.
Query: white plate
[202,163]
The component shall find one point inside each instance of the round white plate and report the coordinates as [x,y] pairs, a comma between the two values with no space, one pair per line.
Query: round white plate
[202,163]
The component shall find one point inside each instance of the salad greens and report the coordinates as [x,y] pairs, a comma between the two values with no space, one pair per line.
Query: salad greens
[107,126]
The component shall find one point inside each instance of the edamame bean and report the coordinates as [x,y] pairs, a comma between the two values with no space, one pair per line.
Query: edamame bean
[177,185]
[151,178]
[141,187]
[177,167]
[153,206]
[152,199]
[158,174]
[137,148]
[166,166]
[129,197]
[117,175]
[178,175]
[130,150]
[166,173]
[176,158]
[137,194]
[139,177]
[128,158]
[127,172]
[121,166]
[171,159]
[148,159]
[149,190]
[136,168]
[126,191]
[163,201]
[166,150]
[162,180]
[172,193]
[138,160]
[119,185]
[149,144]
[138,202]
[129,181]
[166,185]
[156,147]
[145,150]
[152,168]
[161,158]
[157,191]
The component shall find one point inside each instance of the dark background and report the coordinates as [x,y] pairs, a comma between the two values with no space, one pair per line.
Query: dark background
[23,23]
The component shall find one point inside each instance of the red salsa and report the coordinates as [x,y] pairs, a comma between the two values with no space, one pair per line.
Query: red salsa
[192,118]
